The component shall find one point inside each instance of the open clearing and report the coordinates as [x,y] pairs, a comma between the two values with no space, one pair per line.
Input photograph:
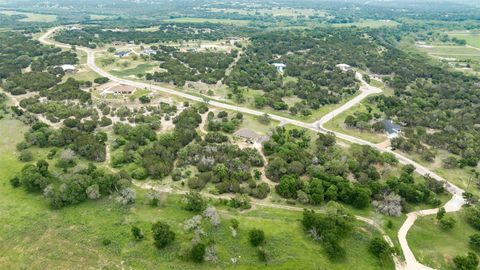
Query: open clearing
[32,17]
[368,23]
[426,233]
[34,236]
[472,38]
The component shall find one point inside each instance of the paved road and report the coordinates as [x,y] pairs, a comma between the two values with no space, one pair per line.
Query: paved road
[454,204]
[365,90]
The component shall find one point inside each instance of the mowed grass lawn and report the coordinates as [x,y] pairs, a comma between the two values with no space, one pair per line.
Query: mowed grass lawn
[33,236]
[435,247]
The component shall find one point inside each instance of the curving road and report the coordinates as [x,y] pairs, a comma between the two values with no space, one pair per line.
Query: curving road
[411,262]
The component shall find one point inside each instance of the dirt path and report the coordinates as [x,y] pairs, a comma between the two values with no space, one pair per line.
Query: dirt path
[261,203]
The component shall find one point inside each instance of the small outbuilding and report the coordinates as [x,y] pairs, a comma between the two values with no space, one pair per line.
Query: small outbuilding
[391,128]
[279,66]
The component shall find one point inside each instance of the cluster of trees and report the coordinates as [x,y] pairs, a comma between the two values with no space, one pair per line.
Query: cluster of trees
[225,165]
[365,121]
[228,167]
[355,177]
[155,155]
[54,111]
[432,36]
[167,32]
[34,81]
[222,122]
[88,183]
[411,143]
[329,228]
[311,57]
[208,67]
[19,51]
[429,96]
[89,145]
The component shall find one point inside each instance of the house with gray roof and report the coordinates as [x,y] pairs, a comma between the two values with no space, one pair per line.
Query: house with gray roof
[391,128]
[251,136]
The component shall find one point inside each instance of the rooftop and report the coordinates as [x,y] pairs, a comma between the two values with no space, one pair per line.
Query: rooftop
[247,134]
[391,127]
[67,67]
[121,88]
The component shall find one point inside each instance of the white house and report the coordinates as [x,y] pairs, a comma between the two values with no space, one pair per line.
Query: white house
[279,66]
[149,52]
[68,68]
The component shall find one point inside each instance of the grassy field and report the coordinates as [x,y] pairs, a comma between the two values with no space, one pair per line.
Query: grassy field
[436,247]
[368,23]
[472,38]
[141,68]
[207,20]
[32,17]
[35,237]
[450,50]
[462,58]
[128,67]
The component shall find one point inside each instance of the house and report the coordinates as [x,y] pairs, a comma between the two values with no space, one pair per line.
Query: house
[251,136]
[120,89]
[279,66]
[247,134]
[149,52]
[391,128]
[68,68]
[344,67]
[122,54]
